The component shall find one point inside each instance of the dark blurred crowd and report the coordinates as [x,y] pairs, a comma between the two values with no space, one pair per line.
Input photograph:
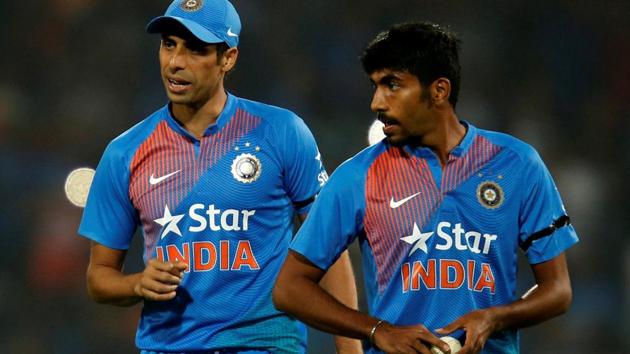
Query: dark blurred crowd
[76,73]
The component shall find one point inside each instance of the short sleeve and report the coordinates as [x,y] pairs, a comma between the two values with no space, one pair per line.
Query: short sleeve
[544,226]
[304,171]
[109,217]
[335,220]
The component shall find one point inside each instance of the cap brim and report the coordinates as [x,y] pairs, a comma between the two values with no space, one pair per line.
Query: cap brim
[162,23]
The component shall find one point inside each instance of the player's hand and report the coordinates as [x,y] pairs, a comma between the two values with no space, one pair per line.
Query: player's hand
[159,280]
[406,339]
[478,325]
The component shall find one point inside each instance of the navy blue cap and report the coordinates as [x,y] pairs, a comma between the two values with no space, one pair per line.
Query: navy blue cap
[211,21]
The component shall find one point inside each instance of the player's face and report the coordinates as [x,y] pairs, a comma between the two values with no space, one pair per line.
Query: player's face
[191,71]
[402,105]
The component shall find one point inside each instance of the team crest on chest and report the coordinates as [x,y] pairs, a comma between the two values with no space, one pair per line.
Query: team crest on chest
[490,194]
[246,168]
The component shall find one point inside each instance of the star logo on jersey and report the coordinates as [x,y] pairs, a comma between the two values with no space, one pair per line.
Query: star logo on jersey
[169,222]
[419,238]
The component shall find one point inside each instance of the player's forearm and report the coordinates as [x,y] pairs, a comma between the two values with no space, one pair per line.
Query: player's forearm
[298,293]
[545,302]
[550,298]
[110,286]
[310,303]
[339,281]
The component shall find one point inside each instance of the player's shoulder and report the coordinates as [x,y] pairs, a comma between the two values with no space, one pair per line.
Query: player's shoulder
[355,168]
[128,141]
[524,151]
[269,113]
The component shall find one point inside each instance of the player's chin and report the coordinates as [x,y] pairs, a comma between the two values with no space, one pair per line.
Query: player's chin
[178,98]
[396,139]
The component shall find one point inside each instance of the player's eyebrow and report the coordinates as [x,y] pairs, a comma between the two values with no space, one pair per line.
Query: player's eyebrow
[194,44]
[386,79]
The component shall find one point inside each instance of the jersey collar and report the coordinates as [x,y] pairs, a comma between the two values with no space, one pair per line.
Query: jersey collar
[456,152]
[466,142]
[222,120]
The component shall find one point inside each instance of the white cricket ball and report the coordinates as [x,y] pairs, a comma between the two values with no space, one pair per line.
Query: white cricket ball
[453,343]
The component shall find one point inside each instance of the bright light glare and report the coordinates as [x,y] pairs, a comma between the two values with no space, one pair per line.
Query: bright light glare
[78,185]
[375,134]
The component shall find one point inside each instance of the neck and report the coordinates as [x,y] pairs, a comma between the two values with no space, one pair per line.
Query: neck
[444,136]
[197,118]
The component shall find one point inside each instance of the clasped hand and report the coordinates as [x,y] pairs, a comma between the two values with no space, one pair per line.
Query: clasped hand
[159,280]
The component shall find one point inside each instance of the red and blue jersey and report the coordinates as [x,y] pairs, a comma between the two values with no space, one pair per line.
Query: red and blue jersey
[224,204]
[438,242]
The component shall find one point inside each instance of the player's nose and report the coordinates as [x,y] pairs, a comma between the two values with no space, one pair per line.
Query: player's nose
[378,103]
[177,59]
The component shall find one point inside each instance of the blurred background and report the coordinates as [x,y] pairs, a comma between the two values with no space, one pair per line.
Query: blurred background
[76,73]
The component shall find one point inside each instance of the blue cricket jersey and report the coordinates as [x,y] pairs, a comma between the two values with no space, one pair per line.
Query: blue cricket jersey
[225,206]
[438,242]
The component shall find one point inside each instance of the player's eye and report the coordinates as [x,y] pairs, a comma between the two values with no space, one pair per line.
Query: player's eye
[393,85]
[197,47]
[199,50]
[168,43]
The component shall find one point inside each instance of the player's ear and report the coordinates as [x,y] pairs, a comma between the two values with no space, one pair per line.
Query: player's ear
[440,90]
[229,59]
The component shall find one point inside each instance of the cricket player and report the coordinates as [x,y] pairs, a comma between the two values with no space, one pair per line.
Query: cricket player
[214,182]
[440,209]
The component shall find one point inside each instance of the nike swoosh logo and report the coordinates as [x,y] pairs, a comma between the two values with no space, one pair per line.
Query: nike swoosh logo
[230,33]
[395,204]
[153,180]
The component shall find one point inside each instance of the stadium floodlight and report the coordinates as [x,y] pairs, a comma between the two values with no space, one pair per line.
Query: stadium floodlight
[375,134]
[78,185]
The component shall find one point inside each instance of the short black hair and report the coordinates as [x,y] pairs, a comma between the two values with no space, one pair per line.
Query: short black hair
[221,49]
[423,49]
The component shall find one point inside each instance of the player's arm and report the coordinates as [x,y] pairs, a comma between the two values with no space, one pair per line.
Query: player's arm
[339,281]
[550,298]
[298,292]
[107,283]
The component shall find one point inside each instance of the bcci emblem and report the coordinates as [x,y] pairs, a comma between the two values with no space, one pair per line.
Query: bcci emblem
[191,5]
[246,168]
[490,194]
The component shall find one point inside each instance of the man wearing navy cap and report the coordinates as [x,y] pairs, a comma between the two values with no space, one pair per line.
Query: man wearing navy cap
[214,181]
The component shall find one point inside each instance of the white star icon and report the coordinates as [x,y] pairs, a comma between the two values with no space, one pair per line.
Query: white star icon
[170,221]
[419,238]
